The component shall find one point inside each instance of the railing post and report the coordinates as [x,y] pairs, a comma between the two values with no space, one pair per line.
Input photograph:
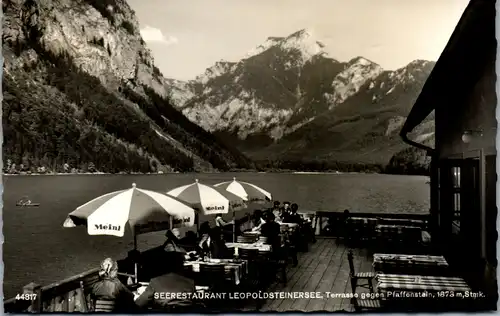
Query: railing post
[35,291]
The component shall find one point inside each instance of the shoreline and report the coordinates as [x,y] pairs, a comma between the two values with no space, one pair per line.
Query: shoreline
[166,173]
[83,173]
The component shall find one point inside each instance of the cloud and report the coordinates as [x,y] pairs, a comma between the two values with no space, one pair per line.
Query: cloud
[152,34]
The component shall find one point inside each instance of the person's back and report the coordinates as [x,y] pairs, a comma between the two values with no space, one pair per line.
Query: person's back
[257,220]
[175,287]
[271,230]
[292,216]
[276,209]
[109,294]
[218,249]
[171,244]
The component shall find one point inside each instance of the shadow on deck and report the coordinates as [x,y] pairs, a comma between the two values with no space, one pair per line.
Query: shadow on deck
[324,268]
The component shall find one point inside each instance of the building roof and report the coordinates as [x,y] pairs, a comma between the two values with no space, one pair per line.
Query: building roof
[470,48]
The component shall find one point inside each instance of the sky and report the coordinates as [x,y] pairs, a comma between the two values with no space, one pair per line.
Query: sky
[188,36]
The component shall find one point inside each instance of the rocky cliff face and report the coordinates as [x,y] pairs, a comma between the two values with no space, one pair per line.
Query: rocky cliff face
[100,44]
[287,98]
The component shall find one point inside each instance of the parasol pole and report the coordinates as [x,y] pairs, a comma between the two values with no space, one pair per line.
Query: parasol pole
[234,227]
[135,259]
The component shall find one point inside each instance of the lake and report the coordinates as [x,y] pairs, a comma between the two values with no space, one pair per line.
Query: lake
[37,247]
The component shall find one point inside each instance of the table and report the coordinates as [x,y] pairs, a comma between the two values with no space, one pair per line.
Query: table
[420,293]
[258,245]
[413,233]
[236,270]
[252,232]
[290,225]
[420,283]
[402,221]
[410,264]
[363,221]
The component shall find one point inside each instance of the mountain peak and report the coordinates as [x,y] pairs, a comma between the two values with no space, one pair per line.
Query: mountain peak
[220,67]
[419,62]
[361,61]
[302,41]
[304,33]
[274,39]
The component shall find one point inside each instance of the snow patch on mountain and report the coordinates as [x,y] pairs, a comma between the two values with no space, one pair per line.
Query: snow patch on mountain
[423,137]
[357,72]
[407,73]
[329,99]
[394,124]
[295,127]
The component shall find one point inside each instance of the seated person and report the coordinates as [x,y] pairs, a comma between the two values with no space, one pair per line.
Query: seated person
[189,239]
[171,282]
[286,209]
[292,216]
[220,222]
[288,246]
[257,220]
[277,211]
[172,242]
[204,231]
[109,294]
[346,216]
[226,227]
[271,230]
[217,246]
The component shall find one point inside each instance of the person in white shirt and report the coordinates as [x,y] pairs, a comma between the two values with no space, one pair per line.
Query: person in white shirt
[171,243]
[220,222]
[258,220]
[225,227]
[204,244]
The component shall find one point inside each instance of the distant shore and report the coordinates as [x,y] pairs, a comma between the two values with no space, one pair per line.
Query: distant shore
[206,172]
[81,173]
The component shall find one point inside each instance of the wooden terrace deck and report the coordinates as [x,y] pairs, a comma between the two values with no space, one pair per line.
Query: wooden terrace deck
[324,268]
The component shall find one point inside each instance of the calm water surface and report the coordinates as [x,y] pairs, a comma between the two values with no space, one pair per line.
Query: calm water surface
[37,247]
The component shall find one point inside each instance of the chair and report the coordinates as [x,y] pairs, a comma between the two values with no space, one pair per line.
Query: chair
[245,239]
[213,276]
[356,276]
[251,256]
[104,306]
[248,254]
[367,304]
[279,260]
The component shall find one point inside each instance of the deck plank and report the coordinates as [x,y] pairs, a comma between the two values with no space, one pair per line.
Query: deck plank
[339,285]
[304,260]
[324,268]
[328,278]
[311,281]
[300,279]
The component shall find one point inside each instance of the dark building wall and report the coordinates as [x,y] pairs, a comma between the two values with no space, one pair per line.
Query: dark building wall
[475,110]
[472,110]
